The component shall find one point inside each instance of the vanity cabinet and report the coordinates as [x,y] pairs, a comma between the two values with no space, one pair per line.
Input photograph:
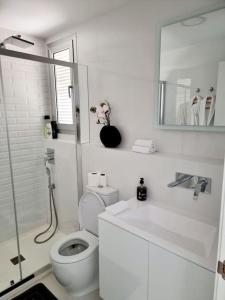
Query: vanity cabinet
[132,268]
[174,278]
[123,263]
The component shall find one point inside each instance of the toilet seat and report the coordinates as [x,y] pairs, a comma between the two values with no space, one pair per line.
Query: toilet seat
[85,237]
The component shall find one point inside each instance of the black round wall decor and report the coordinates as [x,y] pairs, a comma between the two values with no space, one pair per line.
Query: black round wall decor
[110,136]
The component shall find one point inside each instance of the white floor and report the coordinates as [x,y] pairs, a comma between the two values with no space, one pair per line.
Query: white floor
[36,256]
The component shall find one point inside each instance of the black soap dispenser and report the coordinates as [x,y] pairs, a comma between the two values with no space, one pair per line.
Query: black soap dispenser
[141,191]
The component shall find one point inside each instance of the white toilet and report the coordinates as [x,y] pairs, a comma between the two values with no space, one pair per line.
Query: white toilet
[74,258]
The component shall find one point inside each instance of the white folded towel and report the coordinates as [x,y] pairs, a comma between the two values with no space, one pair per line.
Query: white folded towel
[144,143]
[141,149]
[117,207]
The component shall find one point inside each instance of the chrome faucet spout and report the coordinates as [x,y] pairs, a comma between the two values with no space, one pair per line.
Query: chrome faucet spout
[180,180]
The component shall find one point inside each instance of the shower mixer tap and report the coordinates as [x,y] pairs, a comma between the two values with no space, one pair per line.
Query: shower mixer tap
[49,156]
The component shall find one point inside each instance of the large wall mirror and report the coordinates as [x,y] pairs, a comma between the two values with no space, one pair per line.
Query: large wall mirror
[191,92]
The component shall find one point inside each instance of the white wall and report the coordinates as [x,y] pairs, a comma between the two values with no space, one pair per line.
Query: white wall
[120,51]
[27,97]
[124,169]
[220,103]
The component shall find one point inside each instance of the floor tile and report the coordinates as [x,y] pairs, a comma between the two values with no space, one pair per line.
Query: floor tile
[36,256]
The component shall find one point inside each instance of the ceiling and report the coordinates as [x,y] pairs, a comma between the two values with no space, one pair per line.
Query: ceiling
[45,18]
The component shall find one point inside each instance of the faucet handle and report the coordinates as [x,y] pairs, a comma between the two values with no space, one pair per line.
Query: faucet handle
[200,186]
[203,182]
[197,190]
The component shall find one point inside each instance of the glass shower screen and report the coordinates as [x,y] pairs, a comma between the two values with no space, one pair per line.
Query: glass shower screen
[28,93]
[10,273]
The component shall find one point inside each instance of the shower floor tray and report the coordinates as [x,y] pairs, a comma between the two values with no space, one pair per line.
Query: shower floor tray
[36,256]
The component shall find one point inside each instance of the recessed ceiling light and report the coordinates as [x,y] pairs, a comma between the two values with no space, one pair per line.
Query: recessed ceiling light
[193,21]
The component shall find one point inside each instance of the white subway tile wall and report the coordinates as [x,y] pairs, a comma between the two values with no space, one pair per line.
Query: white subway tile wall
[27,96]
[7,225]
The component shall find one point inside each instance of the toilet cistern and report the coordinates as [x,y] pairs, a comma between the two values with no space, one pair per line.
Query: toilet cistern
[197,183]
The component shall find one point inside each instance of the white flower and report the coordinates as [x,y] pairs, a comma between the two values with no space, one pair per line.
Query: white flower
[105,108]
[102,111]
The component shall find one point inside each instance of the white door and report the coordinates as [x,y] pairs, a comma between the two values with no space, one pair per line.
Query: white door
[123,264]
[219,293]
[178,277]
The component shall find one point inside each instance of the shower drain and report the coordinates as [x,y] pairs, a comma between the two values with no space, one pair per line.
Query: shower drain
[15,260]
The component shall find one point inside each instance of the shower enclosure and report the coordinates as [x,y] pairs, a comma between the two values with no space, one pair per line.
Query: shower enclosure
[25,97]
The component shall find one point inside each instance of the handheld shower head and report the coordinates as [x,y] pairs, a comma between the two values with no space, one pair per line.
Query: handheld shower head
[48,171]
[16,40]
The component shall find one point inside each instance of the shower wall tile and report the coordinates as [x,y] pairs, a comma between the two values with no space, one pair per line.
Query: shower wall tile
[27,96]
[65,178]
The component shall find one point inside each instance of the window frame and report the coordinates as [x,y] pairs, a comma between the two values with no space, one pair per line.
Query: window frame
[53,48]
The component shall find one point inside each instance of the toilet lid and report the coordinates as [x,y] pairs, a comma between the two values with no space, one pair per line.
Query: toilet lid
[90,206]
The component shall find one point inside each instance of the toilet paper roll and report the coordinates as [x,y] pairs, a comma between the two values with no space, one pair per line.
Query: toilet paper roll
[93,179]
[102,180]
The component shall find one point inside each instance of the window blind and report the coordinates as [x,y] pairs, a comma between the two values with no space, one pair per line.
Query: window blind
[62,82]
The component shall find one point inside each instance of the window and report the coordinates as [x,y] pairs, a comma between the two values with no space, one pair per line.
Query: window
[62,89]
[62,102]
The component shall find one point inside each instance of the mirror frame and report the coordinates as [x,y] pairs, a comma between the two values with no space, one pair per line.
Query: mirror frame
[158,104]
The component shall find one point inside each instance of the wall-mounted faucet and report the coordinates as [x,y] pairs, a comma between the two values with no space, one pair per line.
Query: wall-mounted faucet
[199,184]
[180,179]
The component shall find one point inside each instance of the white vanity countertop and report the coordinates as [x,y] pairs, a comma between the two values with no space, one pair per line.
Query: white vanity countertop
[189,238]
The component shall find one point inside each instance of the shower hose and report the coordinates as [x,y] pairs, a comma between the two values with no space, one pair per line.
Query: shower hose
[52,206]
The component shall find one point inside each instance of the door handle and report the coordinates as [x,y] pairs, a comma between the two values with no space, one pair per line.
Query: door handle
[221,269]
[70,88]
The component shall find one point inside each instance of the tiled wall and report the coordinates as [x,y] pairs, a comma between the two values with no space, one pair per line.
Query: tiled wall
[27,96]
[65,178]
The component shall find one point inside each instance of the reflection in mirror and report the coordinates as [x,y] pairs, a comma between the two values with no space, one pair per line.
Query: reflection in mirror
[192,71]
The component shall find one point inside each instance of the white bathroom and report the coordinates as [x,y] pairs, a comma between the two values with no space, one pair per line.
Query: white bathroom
[112,146]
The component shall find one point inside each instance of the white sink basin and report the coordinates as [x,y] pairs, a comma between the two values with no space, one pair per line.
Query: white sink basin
[180,230]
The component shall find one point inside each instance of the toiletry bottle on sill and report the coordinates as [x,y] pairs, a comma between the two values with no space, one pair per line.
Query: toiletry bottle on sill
[141,191]
[54,129]
[47,127]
